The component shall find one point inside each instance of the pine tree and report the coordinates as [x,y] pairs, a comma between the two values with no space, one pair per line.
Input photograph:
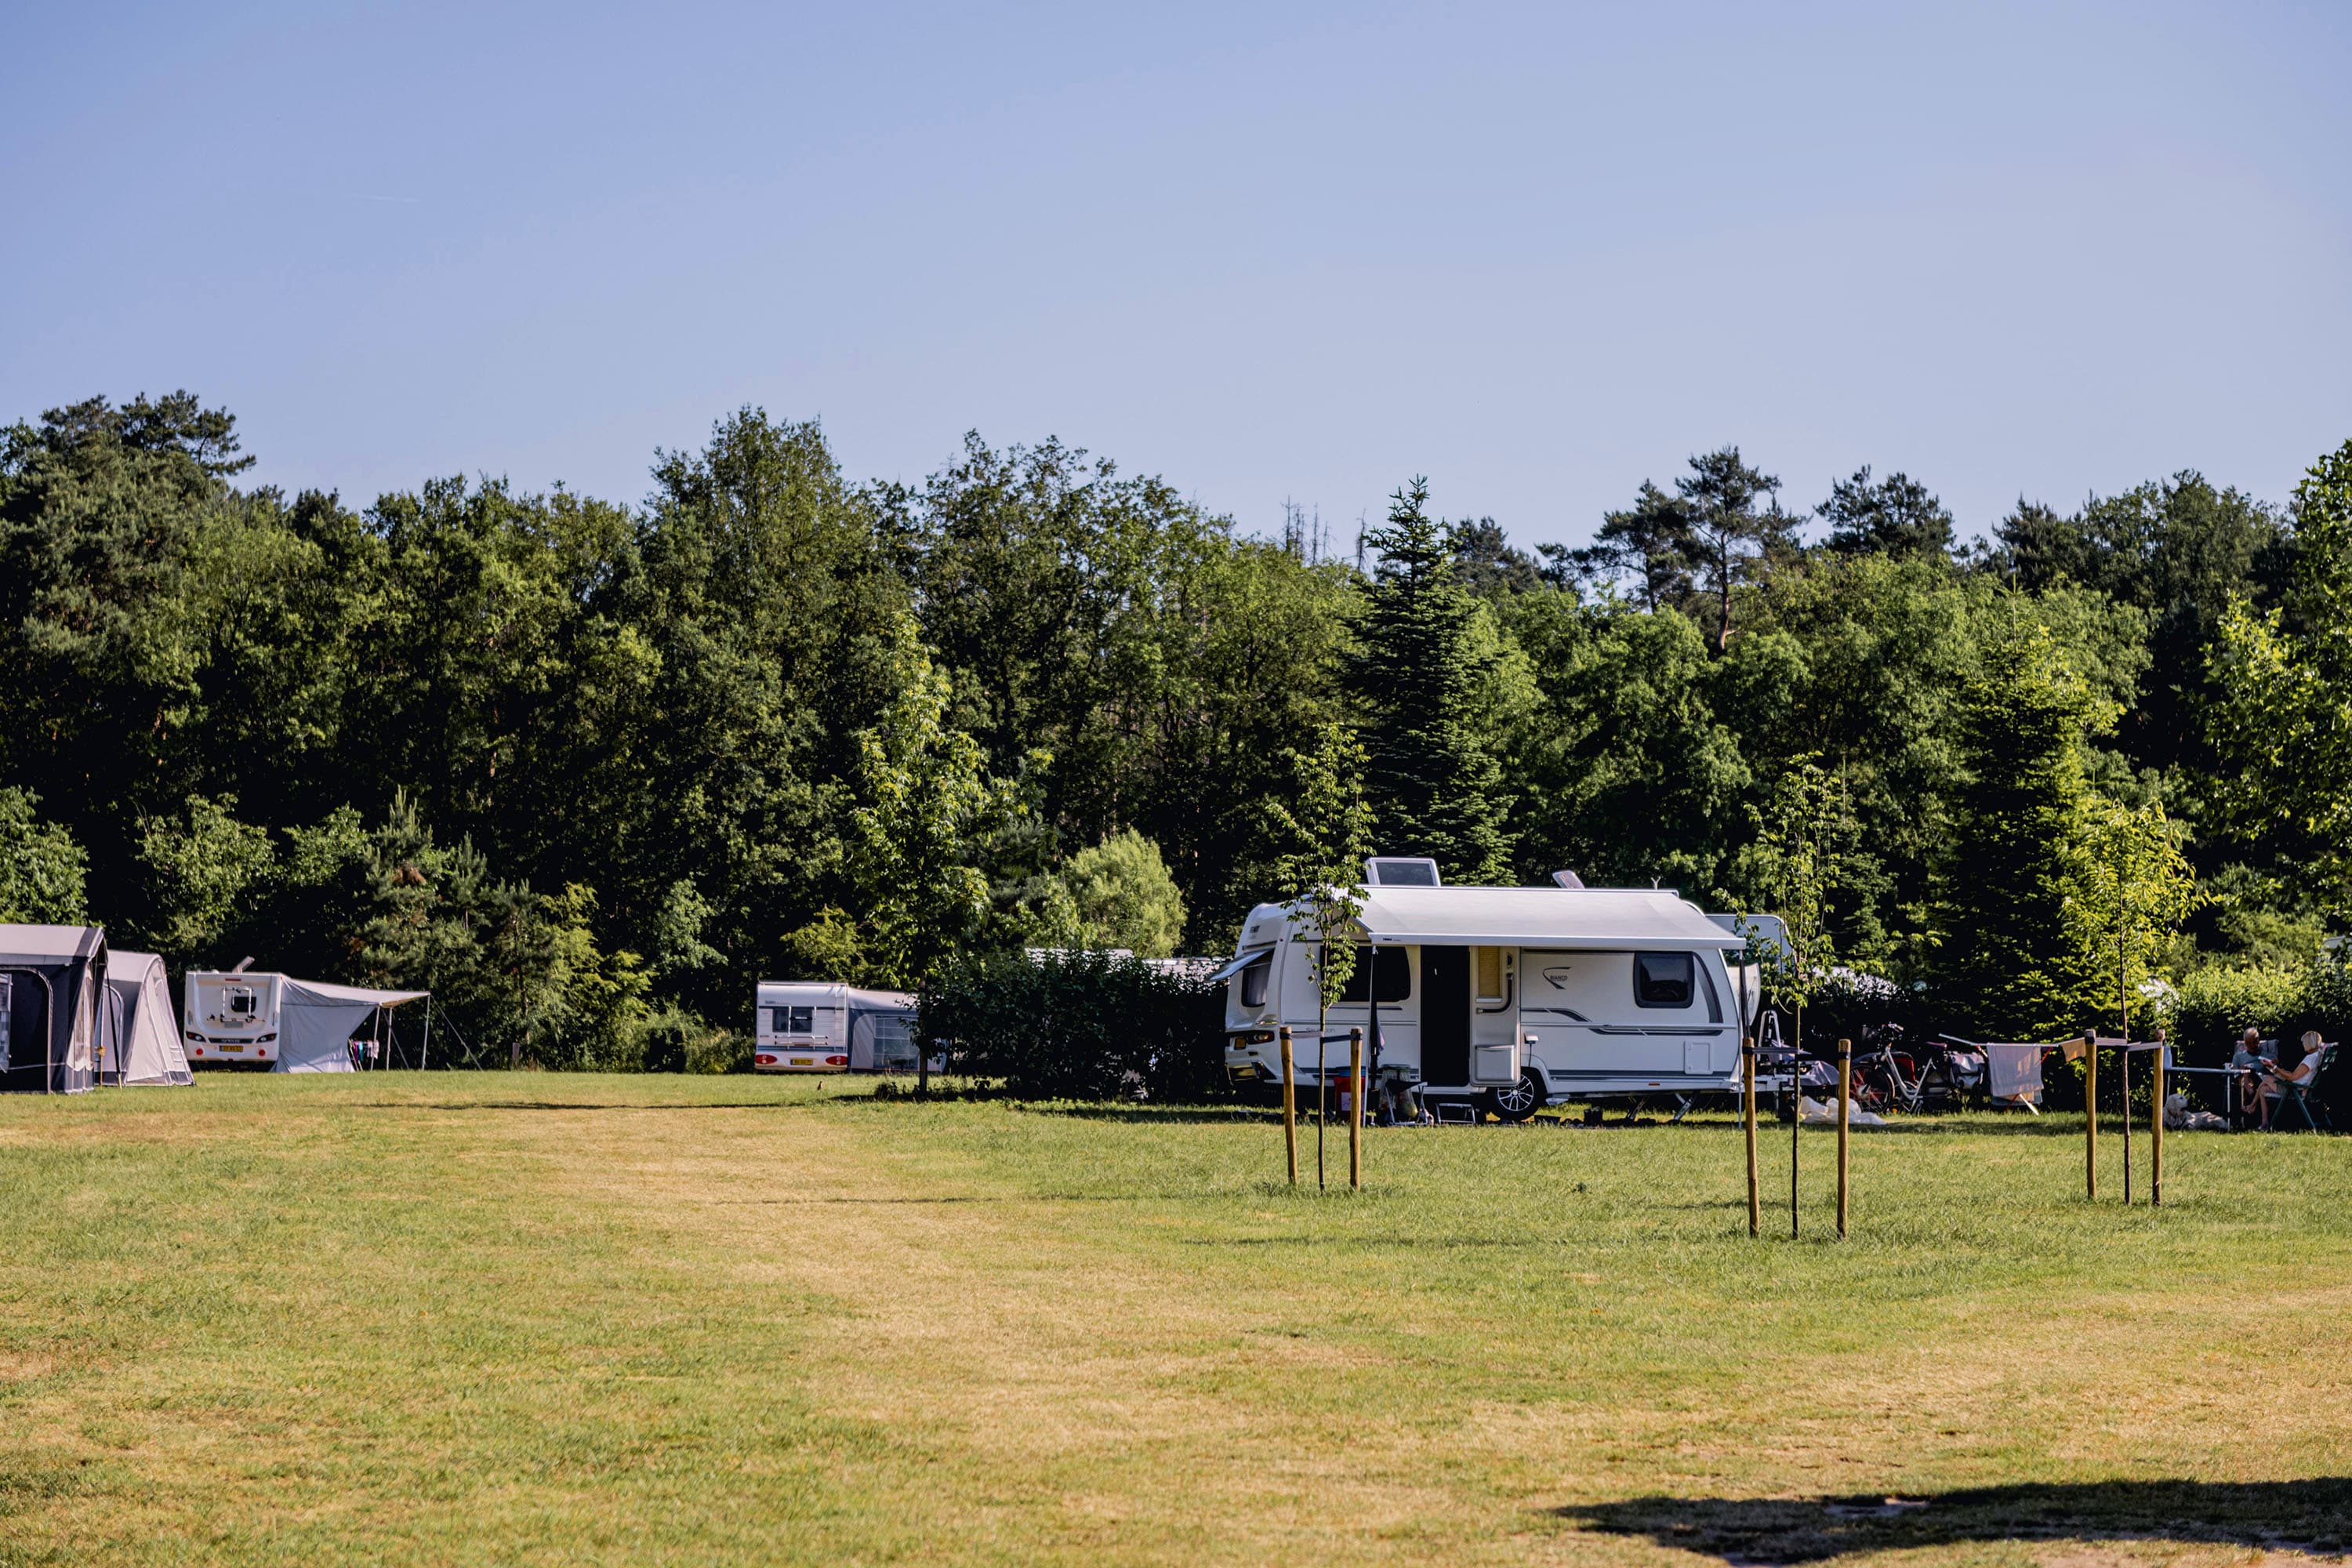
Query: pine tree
[1436,790]
[2016,940]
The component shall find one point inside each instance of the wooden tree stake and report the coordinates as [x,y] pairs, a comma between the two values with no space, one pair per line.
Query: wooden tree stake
[1356,1108]
[1845,1082]
[2091,1116]
[1289,1112]
[1747,1119]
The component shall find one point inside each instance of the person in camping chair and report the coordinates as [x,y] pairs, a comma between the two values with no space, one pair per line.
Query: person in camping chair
[2300,1075]
[2247,1062]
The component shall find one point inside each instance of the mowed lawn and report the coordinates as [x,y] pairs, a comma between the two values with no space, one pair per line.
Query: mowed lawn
[528,1318]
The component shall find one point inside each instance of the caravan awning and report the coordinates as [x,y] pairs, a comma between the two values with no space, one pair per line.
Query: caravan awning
[1538,917]
[318,1018]
[314,993]
[1234,965]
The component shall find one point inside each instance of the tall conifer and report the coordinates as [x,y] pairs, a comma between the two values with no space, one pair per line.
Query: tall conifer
[2016,945]
[1436,790]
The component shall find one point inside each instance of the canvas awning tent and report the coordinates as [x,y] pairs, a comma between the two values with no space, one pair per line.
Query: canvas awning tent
[315,1022]
[142,1040]
[49,1007]
[1564,918]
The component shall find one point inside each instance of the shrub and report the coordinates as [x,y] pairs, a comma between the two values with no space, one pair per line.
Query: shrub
[1078,1025]
[2215,1006]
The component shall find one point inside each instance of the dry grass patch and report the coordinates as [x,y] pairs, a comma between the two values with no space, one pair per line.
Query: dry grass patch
[477,1318]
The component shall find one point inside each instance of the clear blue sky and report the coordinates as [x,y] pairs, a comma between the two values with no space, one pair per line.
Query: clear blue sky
[1538,253]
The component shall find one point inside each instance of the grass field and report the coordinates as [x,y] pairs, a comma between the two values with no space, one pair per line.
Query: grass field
[496,1319]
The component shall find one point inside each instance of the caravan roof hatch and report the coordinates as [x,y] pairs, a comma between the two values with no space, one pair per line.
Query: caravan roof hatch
[1403,871]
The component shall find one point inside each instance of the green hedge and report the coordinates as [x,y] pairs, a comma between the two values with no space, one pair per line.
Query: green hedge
[1080,1026]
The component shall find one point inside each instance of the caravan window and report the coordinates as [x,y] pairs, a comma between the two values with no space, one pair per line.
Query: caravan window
[1254,976]
[793,1020]
[1663,979]
[1395,971]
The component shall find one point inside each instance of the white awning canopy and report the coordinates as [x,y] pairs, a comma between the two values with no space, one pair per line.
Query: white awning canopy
[319,1020]
[315,992]
[1566,918]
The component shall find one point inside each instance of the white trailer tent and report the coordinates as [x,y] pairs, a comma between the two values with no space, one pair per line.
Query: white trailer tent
[143,1044]
[814,1026]
[52,997]
[245,1019]
[1515,995]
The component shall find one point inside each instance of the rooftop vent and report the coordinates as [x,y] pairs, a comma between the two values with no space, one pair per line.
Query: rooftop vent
[1401,871]
[1568,878]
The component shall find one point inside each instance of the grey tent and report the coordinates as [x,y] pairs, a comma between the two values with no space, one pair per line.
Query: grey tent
[142,1044]
[315,1022]
[52,998]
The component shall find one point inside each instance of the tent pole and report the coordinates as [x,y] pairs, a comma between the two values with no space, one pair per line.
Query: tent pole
[426,1051]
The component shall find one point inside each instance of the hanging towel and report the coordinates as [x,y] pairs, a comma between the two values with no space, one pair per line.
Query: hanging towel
[2013,1072]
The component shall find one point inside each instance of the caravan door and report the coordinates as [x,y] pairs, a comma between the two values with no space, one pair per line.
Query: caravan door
[1495,1014]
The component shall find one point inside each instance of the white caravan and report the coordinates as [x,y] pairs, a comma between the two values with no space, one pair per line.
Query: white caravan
[240,1018]
[1518,996]
[813,1026]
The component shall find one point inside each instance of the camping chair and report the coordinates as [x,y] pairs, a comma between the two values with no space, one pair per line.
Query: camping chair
[2298,1095]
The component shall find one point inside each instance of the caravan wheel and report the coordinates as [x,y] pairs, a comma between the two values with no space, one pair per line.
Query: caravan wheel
[1519,1101]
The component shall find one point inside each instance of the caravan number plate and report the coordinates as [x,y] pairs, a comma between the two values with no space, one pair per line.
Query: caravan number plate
[803,1061]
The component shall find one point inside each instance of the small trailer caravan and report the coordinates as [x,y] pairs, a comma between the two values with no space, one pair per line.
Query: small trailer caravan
[235,1018]
[813,1026]
[1514,996]
[53,1003]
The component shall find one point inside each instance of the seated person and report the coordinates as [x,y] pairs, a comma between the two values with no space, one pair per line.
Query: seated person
[2247,1062]
[2300,1075]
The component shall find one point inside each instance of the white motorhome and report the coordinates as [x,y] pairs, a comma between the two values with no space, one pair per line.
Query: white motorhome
[812,1025]
[1514,996]
[242,1018]
[231,1019]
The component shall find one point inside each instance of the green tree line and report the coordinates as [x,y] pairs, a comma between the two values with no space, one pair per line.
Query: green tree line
[588,769]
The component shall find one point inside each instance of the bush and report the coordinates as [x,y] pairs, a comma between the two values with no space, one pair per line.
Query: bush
[2215,1006]
[1080,1026]
[674,1039]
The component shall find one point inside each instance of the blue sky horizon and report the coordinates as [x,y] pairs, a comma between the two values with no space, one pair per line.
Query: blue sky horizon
[1275,254]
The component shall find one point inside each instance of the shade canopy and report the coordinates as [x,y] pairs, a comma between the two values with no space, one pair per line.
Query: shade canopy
[316,1021]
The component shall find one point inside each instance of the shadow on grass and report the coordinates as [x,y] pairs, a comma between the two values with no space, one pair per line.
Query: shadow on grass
[1153,1114]
[2299,1515]
[2060,1125]
[580,1105]
[1001,1198]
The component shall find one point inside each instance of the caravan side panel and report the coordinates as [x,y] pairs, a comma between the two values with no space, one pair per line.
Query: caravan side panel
[1630,1023]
